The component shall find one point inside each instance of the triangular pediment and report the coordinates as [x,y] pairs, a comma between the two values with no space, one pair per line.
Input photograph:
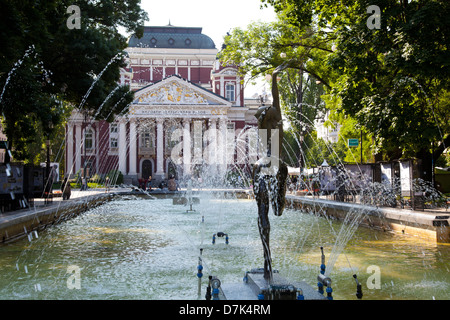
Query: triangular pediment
[177,91]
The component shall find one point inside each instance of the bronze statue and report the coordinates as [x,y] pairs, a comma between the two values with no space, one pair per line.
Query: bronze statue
[270,187]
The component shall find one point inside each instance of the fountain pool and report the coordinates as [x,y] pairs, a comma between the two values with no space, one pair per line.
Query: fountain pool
[139,248]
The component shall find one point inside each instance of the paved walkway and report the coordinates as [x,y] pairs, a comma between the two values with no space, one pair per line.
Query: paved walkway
[77,194]
[39,205]
[432,211]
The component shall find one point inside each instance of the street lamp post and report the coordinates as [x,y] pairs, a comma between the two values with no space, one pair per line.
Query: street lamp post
[47,171]
[47,168]
[84,181]
[49,180]
[361,147]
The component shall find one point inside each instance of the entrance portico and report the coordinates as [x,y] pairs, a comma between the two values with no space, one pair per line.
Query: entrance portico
[173,122]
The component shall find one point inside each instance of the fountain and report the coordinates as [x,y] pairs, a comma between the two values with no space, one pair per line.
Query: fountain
[126,249]
[270,178]
[188,198]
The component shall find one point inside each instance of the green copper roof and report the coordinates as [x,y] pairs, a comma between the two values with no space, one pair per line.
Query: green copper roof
[172,37]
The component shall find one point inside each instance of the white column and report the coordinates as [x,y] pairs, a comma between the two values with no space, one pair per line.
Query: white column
[213,159]
[222,147]
[78,147]
[122,147]
[238,91]
[222,86]
[230,150]
[159,147]
[69,146]
[198,142]
[133,148]
[186,147]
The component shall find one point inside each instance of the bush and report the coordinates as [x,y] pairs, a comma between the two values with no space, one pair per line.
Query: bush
[115,177]
[96,179]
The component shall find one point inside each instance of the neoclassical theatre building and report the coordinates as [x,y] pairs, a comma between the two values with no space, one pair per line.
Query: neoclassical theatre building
[187,107]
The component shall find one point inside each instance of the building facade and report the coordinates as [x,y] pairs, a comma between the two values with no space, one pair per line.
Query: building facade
[186,112]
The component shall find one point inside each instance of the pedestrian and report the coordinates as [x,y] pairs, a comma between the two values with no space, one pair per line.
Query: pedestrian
[107,184]
[149,183]
[65,188]
[83,184]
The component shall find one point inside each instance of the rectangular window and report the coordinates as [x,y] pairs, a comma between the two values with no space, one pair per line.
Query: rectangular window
[113,143]
[171,139]
[113,137]
[229,92]
[88,139]
[146,139]
[230,126]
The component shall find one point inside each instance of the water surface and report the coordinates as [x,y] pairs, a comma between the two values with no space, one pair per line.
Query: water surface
[148,249]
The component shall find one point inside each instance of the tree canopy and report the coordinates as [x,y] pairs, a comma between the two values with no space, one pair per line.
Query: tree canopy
[393,79]
[262,47]
[43,62]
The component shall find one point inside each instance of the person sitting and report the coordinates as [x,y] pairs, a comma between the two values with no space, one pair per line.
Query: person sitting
[162,185]
[172,184]
[149,183]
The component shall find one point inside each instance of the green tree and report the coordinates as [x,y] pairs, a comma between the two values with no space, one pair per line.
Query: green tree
[393,80]
[60,63]
[319,150]
[262,47]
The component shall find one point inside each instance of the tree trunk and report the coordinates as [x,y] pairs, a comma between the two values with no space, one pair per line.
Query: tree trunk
[429,158]
[426,166]
[301,161]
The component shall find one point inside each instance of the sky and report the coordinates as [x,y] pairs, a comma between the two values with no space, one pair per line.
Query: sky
[214,16]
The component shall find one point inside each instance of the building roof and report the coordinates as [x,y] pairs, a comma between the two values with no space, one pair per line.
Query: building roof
[172,37]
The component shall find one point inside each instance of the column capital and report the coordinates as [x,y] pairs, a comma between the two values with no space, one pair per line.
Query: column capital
[122,120]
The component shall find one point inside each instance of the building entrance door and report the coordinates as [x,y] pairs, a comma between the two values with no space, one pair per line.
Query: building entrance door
[147,169]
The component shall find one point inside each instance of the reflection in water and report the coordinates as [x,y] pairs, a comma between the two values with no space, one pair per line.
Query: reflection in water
[148,249]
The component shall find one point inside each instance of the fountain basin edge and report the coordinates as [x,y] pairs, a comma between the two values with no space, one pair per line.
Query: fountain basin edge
[21,223]
[428,226]
[18,224]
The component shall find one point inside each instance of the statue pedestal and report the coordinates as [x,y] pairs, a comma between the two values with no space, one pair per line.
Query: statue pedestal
[257,288]
[184,200]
